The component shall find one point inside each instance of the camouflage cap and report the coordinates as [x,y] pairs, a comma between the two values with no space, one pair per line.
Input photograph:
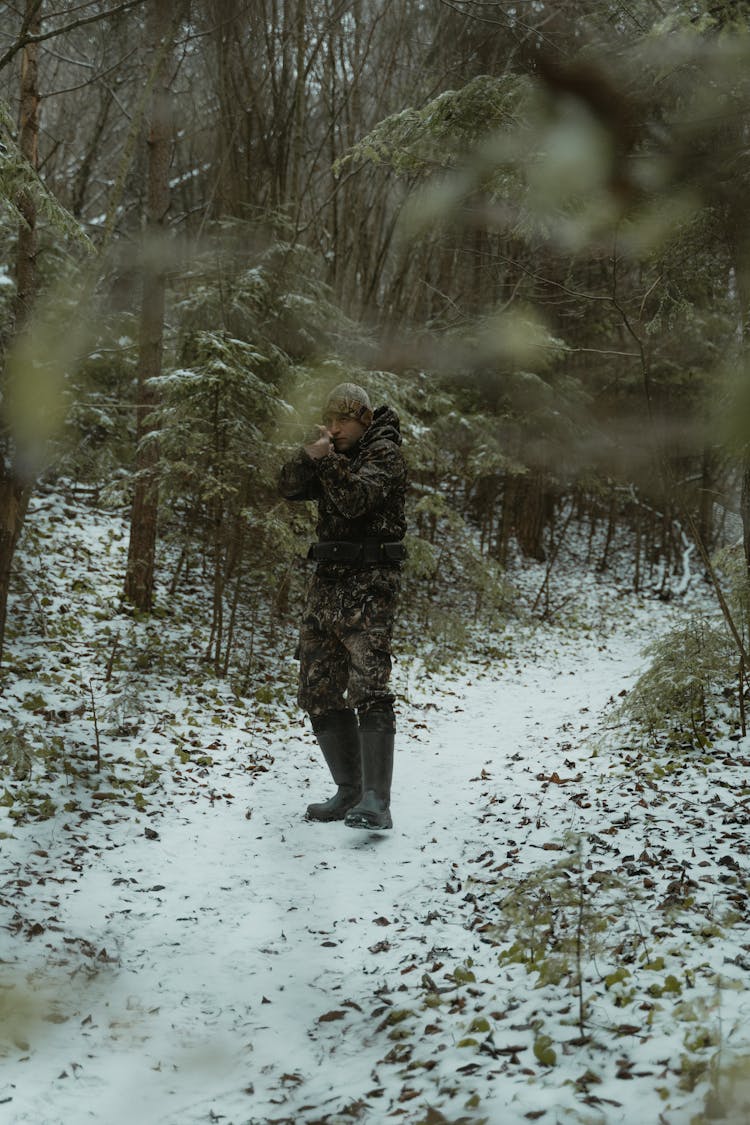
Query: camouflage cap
[350,401]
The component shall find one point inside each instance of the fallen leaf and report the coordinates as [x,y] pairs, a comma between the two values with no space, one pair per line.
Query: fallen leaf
[408,1093]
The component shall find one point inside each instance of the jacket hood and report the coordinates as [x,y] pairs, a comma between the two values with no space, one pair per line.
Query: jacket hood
[385,426]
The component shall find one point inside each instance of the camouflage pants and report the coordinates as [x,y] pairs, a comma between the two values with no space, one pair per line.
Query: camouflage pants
[345,640]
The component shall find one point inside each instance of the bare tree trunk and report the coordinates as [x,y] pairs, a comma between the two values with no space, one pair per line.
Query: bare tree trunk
[139,578]
[29,146]
[744,291]
[706,497]
[745,511]
[233,116]
[738,241]
[14,500]
[15,488]
[298,142]
[83,176]
[611,526]
[529,514]
[506,521]
[637,551]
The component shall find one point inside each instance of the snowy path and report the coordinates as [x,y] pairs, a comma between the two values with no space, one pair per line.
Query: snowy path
[227,938]
[224,942]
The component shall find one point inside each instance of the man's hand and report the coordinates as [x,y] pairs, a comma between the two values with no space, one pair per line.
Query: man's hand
[322,447]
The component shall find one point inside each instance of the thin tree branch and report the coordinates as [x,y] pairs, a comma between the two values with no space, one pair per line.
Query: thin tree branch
[632,333]
[94,78]
[593,351]
[556,284]
[24,39]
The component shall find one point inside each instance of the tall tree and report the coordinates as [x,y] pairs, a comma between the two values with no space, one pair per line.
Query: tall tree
[139,577]
[15,486]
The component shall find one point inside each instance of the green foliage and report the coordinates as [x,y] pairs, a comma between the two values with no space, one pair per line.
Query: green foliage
[248,379]
[558,920]
[561,164]
[436,136]
[16,752]
[691,667]
[96,445]
[456,594]
[544,1052]
[18,177]
[728,1096]
[731,565]
[281,304]
[210,421]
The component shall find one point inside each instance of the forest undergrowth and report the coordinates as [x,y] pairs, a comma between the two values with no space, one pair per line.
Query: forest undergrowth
[104,698]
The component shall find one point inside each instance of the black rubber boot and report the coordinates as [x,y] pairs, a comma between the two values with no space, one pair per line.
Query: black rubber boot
[338,738]
[373,811]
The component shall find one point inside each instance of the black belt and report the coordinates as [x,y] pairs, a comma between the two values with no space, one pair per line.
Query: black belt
[371,551]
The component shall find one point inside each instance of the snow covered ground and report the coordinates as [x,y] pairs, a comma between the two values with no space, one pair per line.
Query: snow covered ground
[556,928]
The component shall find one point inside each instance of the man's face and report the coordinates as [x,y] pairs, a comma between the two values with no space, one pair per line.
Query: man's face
[344,431]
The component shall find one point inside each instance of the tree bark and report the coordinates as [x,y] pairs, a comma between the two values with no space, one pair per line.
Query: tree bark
[139,577]
[298,143]
[29,146]
[706,497]
[740,243]
[15,487]
[529,513]
[83,175]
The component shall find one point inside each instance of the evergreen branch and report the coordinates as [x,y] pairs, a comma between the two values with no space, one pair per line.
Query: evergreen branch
[17,176]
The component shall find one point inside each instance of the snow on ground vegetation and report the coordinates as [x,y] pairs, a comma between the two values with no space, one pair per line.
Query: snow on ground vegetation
[555,930]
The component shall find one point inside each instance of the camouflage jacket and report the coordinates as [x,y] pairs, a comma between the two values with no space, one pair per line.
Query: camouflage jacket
[361,493]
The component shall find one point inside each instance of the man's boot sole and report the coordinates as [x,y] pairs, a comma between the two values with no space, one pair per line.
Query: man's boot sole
[361,821]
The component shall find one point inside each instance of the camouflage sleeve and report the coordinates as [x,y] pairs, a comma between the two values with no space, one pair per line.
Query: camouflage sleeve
[355,493]
[298,479]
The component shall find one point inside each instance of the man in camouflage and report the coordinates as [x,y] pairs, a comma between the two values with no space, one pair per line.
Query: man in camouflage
[355,471]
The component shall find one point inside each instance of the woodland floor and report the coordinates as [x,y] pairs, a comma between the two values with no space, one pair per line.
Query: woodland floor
[556,928]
